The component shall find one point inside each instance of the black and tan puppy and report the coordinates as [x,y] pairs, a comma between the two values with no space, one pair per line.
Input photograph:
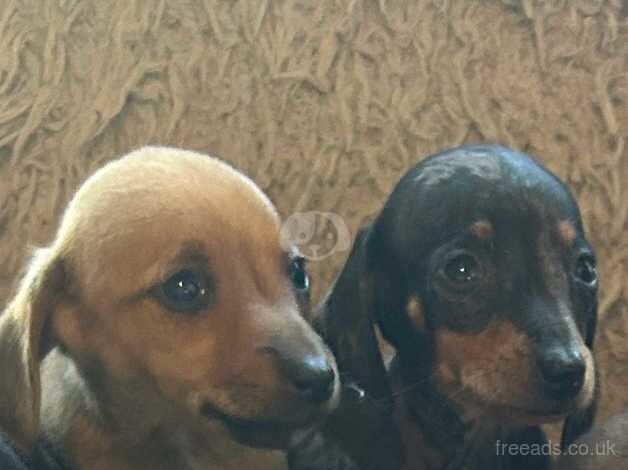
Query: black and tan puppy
[477,271]
[173,324]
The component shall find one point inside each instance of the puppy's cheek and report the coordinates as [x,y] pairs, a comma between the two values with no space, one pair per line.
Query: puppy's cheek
[493,366]
[185,377]
[180,367]
[77,340]
[243,387]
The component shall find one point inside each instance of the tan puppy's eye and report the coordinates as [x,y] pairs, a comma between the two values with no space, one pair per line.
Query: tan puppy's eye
[185,291]
[586,271]
[298,275]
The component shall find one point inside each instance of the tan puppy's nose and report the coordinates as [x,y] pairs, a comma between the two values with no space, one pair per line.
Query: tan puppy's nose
[311,375]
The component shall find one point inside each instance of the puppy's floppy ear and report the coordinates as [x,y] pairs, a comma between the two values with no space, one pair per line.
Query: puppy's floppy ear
[345,320]
[23,343]
[362,427]
[581,422]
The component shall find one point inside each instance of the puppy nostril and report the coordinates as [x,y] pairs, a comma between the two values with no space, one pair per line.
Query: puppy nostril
[314,377]
[563,370]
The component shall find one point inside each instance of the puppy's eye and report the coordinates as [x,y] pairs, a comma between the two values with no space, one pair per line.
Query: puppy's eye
[185,291]
[461,268]
[298,275]
[585,270]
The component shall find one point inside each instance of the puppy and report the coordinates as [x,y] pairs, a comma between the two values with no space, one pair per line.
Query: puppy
[171,322]
[478,273]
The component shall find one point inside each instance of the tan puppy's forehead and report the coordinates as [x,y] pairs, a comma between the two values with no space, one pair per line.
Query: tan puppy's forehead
[141,217]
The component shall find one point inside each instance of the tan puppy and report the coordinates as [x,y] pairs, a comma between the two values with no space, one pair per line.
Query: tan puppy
[174,324]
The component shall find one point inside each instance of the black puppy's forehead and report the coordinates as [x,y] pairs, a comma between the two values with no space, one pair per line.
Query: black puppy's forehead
[490,175]
[474,163]
[448,192]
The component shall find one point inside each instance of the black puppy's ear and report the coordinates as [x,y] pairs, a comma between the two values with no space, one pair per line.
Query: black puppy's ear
[345,320]
[363,426]
[581,422]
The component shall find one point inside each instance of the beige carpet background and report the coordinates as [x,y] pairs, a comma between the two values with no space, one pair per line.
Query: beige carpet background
[323,103]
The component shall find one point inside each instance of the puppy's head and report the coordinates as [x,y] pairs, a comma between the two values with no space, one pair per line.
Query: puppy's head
[483,279]
[176,299]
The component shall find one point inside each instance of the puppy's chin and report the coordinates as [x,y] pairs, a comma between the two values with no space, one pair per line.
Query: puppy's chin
[475,407]
[271,433]
[534,415]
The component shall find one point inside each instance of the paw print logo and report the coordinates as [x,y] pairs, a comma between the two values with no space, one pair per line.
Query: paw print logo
[317,234]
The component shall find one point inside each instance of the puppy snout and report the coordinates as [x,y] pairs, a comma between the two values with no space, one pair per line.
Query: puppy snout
[563,370]
[312,375]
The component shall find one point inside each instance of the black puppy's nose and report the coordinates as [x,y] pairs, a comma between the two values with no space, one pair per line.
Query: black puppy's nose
[563,371]
[312,376]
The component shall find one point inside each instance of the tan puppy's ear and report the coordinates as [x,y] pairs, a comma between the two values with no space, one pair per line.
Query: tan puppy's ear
[23,344]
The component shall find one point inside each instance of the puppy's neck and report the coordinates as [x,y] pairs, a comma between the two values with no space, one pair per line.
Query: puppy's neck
[113,428]
[436,433]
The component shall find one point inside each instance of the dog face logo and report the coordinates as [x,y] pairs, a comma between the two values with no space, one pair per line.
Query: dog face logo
[317,234]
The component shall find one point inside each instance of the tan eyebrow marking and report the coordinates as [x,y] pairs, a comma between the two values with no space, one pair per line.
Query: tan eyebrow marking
[415,313]
[566,231]
[483,229]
